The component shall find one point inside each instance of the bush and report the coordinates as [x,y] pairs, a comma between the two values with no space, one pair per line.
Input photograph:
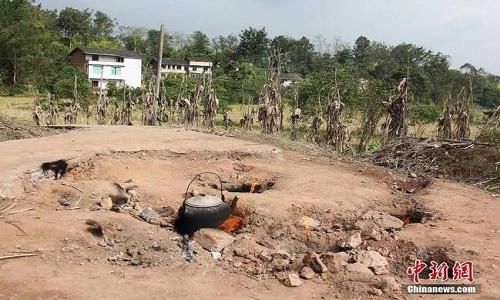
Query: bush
[424,112]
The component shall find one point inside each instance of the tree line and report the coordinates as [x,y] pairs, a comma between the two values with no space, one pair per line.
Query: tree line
[36,42]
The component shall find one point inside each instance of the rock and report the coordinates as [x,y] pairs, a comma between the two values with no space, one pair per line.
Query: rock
[148,213]
[106,202]
[281,254]
[413,175]
[292,280]
[376,292]
[359,268]
[371,259]
[213,239]
[383,220]
[351,241]
[216,255]
[380,270]
[265,256]
[335,262]
[64,201]
[363,224]
[308,222]
[132,193]
[389,284]
[241,252]
[307,273]
[166,211]
[155,221]
[156,246]
[275,233]
[337,226]
[280,264]
[372,234]
[313,261]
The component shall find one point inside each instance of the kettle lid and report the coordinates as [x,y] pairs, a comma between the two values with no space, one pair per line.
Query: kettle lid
[203,201]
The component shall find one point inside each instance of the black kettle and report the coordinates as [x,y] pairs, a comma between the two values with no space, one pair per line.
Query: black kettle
[202,211]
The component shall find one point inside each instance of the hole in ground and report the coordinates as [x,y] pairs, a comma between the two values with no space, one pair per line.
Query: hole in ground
[245,187]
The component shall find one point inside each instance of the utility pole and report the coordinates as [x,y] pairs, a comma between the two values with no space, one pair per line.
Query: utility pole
[160,56]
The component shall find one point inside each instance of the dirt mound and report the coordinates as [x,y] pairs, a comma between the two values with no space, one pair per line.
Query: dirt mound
[12,129]
[463,161]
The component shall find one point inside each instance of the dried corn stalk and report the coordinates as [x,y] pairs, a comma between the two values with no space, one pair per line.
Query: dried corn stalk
[395,126]
[270,106]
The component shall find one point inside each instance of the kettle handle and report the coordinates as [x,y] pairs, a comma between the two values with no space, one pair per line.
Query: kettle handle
[197,176]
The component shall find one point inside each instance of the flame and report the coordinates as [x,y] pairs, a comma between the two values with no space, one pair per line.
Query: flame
[231,224]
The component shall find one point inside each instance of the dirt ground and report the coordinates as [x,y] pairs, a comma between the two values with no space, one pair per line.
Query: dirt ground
[134,259]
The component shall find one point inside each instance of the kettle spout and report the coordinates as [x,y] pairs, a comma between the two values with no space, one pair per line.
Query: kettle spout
[234,203]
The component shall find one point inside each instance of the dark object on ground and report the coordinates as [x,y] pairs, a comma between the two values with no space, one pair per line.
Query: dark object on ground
[59,167]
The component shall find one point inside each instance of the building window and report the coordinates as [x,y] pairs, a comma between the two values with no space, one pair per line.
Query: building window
[95,83]
[178,67]
[116,71]
[97,70]
[95,57]
[205,68]
[119,59]
[195,68]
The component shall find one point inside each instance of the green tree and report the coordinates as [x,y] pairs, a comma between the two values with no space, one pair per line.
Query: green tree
[224,49]
[199,45]
[361,53]
[254,46]
[74,23]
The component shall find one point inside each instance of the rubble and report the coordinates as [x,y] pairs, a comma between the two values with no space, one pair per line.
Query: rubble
[106,202]
[359,268]
[148,214]
[307,273]
[371,234]
[212,239]
[335,262]
[313,261]
[371,259]
[351,242]
[389,284]
[308,222]
[292,280]
[280,264]
[265,256]
[383,220]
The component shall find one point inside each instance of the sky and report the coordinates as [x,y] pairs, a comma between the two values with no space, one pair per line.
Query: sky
[468,31]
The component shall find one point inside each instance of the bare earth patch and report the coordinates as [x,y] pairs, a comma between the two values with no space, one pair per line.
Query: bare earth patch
[106,230]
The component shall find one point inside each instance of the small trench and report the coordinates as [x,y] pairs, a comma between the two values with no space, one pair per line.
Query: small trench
[414,211]
[246,187]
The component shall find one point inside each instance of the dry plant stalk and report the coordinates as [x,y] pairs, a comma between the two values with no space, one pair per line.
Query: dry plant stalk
[37,112]
[52,112]
[194,107]
[494,118]
[395,126]
[102,107]
[462,126]
[248,118]
[445,120]
[149,106]
[270,106]
[336,131]
[210,105]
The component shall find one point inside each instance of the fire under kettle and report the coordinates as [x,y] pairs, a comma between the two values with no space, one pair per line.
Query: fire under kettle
[202,211]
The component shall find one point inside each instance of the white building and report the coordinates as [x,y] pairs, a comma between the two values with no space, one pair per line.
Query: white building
[105,66]
[194,67]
